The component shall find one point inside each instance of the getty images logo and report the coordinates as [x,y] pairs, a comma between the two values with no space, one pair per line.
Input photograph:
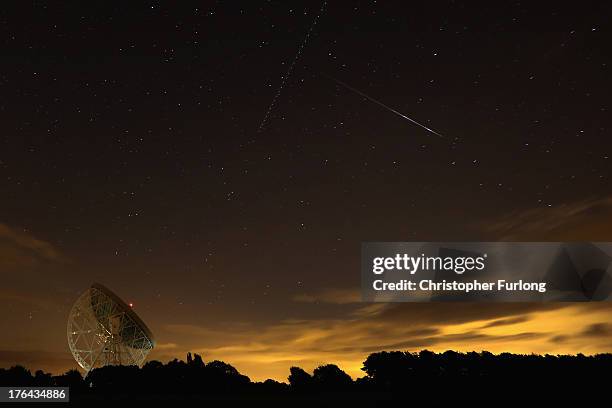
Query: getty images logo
[411,264]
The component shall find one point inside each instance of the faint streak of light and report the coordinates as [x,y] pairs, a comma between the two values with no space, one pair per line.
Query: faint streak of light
[290,70]
[382,104]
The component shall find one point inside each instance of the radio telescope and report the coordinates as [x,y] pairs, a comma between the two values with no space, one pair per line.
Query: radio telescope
[103,330]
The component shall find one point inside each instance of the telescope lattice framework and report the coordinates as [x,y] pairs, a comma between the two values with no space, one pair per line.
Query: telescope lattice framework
[103,330]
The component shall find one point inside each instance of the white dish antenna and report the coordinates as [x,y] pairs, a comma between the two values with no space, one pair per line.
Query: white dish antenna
[103,330]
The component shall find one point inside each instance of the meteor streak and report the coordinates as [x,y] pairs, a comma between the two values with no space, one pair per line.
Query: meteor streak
[357,91]
[290,69]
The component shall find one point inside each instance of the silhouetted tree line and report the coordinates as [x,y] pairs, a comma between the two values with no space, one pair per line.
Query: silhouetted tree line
[439,377]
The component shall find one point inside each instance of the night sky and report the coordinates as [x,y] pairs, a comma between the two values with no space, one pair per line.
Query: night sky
[132,152]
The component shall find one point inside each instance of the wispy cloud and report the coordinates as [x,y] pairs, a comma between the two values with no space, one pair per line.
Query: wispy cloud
[56,362]
[334,296]
[506,322]
[588,220]
[268,351]
[20,248]
[32,299]
[166,346]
